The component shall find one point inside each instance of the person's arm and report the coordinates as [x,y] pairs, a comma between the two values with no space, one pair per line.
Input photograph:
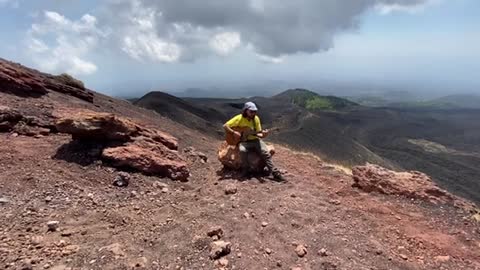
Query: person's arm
[230,130]
[231,123]
[258,126]
[263,134]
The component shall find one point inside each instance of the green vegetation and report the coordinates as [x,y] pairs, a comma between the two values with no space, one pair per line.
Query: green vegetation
[312,101]
[319,103]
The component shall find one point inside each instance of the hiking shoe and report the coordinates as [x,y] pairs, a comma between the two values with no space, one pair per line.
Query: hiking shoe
[279,177]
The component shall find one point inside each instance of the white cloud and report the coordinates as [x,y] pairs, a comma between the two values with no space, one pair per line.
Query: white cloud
[140,39]
[58,44]
[270,59]
[149,46]
[37,46]
[224,43]
[386,9]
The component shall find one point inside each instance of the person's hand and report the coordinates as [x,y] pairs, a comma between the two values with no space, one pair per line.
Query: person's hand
[266,132]
[237,134]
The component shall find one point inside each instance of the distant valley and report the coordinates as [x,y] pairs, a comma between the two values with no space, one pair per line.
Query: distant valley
[350,133]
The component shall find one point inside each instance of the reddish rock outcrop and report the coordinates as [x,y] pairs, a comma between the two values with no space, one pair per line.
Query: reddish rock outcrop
[128,143]
[23,81]
[413,184]
[229,156]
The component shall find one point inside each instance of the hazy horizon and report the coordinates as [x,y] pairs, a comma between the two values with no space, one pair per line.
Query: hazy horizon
[127,48]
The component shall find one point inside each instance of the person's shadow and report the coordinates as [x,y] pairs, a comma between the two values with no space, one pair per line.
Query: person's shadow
[229,174]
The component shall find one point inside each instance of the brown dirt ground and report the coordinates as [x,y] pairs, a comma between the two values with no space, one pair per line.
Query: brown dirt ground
[143,227]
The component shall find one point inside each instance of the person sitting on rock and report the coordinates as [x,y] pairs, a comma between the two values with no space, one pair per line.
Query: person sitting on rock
[250,120]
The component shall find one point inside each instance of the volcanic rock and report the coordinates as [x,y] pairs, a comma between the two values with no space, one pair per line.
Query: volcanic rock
[301,250]
[26,82]
[219,249]
[122,179]
[8,118]
[413,184]
[128,143]
[52,225]
[215,231]
[229,156]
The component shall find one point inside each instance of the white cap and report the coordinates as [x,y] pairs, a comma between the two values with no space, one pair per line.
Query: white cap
[250,106]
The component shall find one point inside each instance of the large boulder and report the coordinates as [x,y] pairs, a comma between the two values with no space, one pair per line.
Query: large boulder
[412,184]
[126,143]
[148,157]
[229,156]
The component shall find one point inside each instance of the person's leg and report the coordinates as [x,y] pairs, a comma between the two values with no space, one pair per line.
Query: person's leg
[263,151]
[244,147]
[268,160]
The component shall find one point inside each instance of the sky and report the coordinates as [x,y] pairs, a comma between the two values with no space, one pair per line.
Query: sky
[122,47]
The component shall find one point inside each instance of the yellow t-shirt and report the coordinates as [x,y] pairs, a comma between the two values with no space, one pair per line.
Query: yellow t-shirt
[240,121]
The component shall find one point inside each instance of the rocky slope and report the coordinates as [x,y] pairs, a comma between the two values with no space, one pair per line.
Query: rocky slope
[62,207]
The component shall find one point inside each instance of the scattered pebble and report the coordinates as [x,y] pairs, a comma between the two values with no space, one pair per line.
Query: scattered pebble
[323,252]
[264,224]
[231,189]
[215,231]
[301,251]
[4,200]
[52,225]
[442,259]
[223,262]
[122,179]
[219,249]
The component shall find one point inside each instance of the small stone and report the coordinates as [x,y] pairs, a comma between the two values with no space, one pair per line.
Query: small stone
[215,231]
[122,179]
[219,249]
[301,251]
[52,225]
[223,262]
[66,233]
[48,199]
[264,224]
[231,189]
[4,200]
[268,251]
[239,255]
[335,202]
[165,190]
[442,259]
[246,215]
[403,256]
[323,252]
